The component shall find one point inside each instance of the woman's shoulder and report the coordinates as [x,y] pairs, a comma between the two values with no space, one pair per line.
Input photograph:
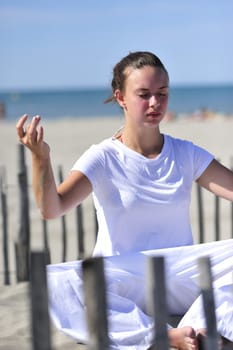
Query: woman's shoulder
[187,148]
[94,156]
[106,145]
[177,140]
[179,143]
[101,149]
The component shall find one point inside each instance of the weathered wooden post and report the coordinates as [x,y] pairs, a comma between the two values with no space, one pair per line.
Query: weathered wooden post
[39,302]
[157,303]
[4,225]
[205,283]
[63,223]
[95,299]
[231,162]
[96,224]
[80,231]
[231,219]
[45,240]
[217,218]
[200,213]
[22,244]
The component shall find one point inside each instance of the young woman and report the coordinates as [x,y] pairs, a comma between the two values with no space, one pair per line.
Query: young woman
[141,179]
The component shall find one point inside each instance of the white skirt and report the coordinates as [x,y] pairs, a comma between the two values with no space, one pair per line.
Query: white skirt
[128,322]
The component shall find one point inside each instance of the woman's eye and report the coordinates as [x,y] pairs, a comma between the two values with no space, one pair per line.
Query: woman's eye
[144,96]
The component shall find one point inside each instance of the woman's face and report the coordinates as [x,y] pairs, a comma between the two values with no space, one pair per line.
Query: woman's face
[145,96]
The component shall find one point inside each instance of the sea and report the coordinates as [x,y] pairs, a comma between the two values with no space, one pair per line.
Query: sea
[77,103]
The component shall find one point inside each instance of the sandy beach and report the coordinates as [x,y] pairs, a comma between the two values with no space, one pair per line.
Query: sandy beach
[68,138]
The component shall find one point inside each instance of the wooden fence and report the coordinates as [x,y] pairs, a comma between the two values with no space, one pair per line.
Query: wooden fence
[95,300]
[22,243]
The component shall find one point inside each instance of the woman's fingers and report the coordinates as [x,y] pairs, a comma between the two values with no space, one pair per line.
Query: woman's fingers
[32,136]
[40,134]
[32,128]
[32,133]
[20,126]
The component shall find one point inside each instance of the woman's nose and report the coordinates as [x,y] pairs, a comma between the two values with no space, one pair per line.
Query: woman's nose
[154,101]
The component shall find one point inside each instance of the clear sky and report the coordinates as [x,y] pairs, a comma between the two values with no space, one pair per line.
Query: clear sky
[75,43]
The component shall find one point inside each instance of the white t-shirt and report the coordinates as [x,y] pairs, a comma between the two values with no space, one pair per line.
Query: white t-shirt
[142,203]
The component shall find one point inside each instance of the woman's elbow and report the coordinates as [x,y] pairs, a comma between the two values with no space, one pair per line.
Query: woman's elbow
[48,214]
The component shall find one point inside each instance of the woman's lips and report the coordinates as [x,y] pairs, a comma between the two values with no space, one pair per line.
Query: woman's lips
[154,115]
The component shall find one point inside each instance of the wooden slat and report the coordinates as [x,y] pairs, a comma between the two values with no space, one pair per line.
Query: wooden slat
[4,225]
[80,231]
[200,214]
[95,299]
[46,241]
[63,223]
[39,303]
[217,218]
[22,244]
[205,283]
[157,303]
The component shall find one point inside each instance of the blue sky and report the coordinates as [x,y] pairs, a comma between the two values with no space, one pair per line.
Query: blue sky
[75,43]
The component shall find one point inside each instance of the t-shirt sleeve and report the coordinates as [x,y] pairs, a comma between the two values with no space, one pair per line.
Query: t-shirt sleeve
[201,160]
[91,164]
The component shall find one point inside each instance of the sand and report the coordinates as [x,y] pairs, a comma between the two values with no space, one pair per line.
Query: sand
[68,139]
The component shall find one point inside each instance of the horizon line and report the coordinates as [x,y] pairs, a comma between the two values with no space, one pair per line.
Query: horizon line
[101,87]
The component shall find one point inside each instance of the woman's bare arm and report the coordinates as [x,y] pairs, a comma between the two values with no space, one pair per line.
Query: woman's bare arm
[52,200]
[218,179]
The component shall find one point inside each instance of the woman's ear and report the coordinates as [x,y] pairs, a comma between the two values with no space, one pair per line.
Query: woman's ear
[120,98]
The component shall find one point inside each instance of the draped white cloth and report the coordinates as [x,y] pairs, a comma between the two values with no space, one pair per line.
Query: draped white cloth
[129,324]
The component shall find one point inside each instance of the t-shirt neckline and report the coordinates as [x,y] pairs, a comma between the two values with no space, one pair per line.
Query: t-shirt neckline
[135,154]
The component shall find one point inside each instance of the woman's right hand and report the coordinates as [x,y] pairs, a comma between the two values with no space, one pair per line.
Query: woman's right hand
[32,136]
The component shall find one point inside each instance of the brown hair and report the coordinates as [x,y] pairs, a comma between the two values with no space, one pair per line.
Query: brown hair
[135,60]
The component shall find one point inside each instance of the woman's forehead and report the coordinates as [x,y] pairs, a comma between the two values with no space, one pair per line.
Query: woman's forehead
[145,76]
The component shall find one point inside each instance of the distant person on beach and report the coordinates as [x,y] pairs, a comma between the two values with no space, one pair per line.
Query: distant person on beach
[2,111]
[141,179]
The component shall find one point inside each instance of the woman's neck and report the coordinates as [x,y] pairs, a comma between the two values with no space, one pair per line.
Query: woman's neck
[148,144]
